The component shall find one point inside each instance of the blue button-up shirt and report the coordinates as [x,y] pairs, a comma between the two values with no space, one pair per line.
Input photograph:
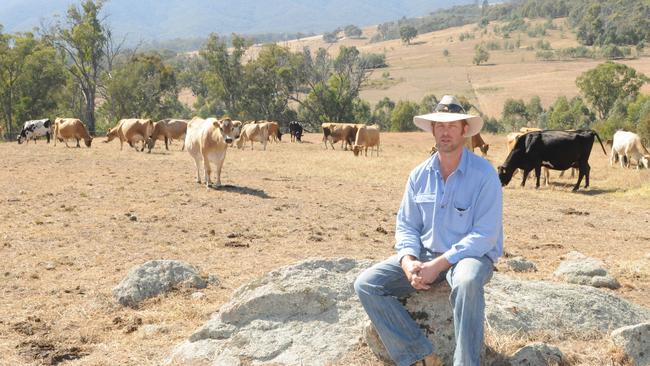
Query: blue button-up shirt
[459,218]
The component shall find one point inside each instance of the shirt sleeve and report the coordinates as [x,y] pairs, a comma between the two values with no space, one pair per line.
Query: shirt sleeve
[408,225]
[487,223]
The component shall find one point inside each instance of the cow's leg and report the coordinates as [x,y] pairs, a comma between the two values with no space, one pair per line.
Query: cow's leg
[47,135]
[121,144]
[206,169]
[167,143]
[547,175]
[525,176]
[77,142]
[538,171]
[220,158]
[587,171]
[66,143]
[197,163]
[143,145]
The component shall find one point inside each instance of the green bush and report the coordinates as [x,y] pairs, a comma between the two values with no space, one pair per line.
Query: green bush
[374,60]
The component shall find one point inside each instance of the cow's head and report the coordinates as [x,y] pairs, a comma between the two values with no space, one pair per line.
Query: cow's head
[505,175]
[226,128]
[484,149]
[644,161]
[24,134]
[236,128]
[112,134]
[88,141]
[356,149]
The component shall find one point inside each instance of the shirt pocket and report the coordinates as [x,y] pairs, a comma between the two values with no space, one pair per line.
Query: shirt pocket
[426,204]
[461,218]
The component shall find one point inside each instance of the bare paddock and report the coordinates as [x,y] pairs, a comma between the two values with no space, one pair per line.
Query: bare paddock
[75,220]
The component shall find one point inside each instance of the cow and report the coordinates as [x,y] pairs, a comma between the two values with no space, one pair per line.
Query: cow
[626,146]
[71,128]
[166,130]
[367,137]
[477,141]
[131,130]
[35,128]
[558,150]
[274,131]
[254,132]
[295,130]
[207,141]
[335,132]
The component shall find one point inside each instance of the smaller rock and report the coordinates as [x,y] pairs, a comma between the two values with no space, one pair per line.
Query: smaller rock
[582,270]
[198,295]
[133,218]
[214,279]
[521,264]
[635,341]
[537,354]
[50,266]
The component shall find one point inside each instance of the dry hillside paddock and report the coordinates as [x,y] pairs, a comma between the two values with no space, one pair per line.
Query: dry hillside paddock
[74,221]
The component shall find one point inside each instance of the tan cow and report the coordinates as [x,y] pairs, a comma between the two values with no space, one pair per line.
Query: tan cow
[131,130]
[254,132]
[274,131]
[71,128]
[166,130]
[367,137]
[207,141]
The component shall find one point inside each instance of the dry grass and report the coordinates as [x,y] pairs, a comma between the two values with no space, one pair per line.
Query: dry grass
[66,239]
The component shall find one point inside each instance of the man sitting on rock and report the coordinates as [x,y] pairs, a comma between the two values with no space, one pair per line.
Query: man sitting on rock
[449,226]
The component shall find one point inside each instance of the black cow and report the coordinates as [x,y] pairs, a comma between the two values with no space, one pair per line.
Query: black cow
[36,128]
[558,150]
[295,130]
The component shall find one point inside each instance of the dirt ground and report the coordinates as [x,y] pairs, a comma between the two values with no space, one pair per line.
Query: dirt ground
[74,221]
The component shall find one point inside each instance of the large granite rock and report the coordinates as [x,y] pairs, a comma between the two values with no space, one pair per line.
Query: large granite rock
[154,278]
[304,314]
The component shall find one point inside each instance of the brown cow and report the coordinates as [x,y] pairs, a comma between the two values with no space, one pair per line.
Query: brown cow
[335,132]
[168,129]
[131,130]
[477,141]
[71,128]
[207,141]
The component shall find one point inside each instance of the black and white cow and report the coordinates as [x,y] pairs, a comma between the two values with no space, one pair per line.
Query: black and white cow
[36,128]
[558,150]
[295,130]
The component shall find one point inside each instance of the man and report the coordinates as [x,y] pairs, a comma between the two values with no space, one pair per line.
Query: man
[448,227]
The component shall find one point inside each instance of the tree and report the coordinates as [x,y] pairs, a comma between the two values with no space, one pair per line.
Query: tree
[401,118]
[332,85]
[352,31]
[83,42]
[223,76]
[407,33]
[480,55]
[569,114]
[143,86]
[31,79]
[330,37]
[382,112]
[607,82]
[515,114]
[270,80]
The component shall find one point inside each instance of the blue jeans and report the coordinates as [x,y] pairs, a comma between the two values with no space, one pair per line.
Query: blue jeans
[379,286]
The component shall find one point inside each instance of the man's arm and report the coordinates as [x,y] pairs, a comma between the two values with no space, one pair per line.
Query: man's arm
[408,226]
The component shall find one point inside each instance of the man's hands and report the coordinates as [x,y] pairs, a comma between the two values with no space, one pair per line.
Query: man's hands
[422,275]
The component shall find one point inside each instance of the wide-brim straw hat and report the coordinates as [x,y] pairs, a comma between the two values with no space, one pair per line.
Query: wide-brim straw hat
[449,110]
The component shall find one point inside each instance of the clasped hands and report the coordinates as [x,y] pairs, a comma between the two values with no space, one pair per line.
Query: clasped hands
[422,275]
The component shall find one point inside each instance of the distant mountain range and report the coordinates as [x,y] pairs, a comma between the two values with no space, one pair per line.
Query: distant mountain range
[150,20]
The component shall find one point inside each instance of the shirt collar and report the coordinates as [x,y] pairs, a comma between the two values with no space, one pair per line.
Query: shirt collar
[434,163]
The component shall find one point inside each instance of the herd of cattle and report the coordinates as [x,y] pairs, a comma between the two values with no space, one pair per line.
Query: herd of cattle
[206,140]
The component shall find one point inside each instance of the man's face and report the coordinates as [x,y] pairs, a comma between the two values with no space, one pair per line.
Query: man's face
[449,135]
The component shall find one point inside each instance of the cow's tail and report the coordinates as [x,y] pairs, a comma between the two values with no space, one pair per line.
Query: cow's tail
[601,142]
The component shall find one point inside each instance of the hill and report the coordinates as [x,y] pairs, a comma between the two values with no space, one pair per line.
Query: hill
[421,68]
[150,20]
